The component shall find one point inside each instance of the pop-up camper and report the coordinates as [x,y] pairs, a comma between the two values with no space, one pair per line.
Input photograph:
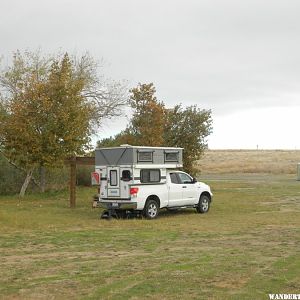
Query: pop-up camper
[130,176]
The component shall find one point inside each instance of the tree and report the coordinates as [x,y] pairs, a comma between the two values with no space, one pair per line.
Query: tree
[52,107]
[3,115]
[188,128]
[147,123]
[152,124]
[124,137]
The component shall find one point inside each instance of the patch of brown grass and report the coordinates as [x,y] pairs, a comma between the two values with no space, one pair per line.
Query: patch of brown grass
[249,161]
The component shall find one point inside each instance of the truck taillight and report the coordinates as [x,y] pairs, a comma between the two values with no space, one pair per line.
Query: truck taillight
[134,191]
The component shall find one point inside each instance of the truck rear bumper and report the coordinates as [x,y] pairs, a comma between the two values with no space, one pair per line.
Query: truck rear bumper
[118,205]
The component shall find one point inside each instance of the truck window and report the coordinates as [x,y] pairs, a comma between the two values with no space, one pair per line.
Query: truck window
[150,175]
[185,178]
[126,176]
[171,156]
[113,174]
[145,156]
[174,178]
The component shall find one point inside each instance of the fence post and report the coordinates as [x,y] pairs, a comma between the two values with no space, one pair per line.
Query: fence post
[73,182]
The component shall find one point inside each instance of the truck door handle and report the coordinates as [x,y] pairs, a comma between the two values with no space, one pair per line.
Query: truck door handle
[184,187]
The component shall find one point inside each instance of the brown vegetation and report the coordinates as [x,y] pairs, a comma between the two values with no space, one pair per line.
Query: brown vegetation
[250,161]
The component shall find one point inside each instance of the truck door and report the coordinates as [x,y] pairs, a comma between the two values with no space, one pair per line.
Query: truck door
[175,191]
[113,182]
[189,190]
[126,179]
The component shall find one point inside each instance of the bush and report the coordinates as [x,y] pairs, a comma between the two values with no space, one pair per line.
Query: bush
[11,178]
[84,175]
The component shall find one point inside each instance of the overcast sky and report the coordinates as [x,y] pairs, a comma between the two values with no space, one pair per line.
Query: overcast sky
[241,59]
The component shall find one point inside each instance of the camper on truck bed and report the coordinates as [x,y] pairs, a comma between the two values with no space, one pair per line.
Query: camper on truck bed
[146,179]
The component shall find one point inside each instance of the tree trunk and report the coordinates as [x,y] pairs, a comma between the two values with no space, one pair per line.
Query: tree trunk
[26,183]
[43,178]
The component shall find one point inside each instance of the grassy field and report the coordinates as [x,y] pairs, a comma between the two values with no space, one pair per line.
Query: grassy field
[247,246]
[250,161]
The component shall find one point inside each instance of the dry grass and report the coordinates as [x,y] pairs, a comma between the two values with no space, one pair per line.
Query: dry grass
[250,161]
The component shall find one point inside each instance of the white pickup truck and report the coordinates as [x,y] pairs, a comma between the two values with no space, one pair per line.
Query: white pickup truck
[174,190]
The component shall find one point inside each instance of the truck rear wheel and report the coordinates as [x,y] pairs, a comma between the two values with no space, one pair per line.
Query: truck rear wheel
[151,209]
[203,204]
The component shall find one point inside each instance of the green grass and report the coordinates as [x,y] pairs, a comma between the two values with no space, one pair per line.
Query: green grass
[246,247]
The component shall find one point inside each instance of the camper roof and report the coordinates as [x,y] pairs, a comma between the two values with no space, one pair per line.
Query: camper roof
[141,147]
[139,156]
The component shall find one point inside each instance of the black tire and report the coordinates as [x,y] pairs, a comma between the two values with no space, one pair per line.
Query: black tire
[151,209]
[203,204]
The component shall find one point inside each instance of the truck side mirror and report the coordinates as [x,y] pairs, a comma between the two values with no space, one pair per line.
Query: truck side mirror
[194,180]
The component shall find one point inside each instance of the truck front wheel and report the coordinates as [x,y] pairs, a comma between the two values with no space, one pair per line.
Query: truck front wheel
[203,204]
[151,209]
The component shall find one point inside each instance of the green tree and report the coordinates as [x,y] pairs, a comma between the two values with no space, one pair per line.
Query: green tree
[188,128]
[108,142]
[52,106]
[154,125]
[2,114]
[147,123]
[124,137]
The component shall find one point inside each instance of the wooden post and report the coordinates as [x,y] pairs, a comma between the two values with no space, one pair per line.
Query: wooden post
[73,161]
[73,182]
